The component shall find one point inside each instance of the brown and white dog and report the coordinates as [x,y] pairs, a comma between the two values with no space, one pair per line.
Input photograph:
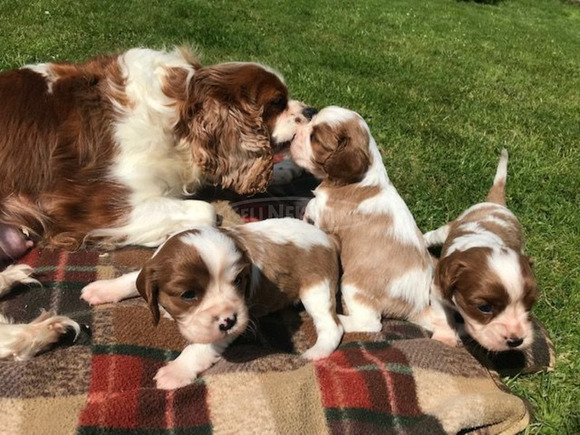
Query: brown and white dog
[483,273]
[107,149]
[211,280]
[387,269]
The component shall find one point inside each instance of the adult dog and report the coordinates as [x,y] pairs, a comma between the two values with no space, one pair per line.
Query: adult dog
[107,148]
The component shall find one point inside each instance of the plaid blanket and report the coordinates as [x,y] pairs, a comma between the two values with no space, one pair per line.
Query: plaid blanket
[397,381]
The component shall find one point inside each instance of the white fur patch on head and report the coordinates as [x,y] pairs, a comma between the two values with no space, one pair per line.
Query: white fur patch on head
[485,239]
[506,265]
[217,251]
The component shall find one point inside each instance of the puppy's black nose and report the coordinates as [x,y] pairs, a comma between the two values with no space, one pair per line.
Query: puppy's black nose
[309,112]
[514,342]
[228,323]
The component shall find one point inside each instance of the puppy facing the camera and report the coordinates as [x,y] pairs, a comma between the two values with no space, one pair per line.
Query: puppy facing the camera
[210,281]
[483,273]
[387,269]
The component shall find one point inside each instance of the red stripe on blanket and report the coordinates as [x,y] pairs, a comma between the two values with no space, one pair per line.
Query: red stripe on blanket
[341,385]
[358,377]
[114,392]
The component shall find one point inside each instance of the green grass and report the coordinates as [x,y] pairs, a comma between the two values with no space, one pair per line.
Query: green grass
[443,84]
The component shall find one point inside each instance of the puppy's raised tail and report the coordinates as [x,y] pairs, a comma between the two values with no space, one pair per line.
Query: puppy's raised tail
[497,192]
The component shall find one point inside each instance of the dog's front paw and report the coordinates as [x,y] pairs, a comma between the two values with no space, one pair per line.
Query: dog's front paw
[100,292]
[173,376]
[37,335]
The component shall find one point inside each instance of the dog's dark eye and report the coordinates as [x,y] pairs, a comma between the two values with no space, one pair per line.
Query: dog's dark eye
[280,102]
[238,280]
[189,295]
[311,137]
[487,309]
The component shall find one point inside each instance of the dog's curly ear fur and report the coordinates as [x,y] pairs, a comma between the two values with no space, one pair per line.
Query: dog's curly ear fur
[149,290]
[229,139]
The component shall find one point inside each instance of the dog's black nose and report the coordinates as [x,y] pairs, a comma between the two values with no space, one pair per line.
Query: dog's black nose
[514,342]
[228,323]
[309,112]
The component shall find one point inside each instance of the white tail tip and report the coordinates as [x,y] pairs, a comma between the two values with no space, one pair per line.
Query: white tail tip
[501,173]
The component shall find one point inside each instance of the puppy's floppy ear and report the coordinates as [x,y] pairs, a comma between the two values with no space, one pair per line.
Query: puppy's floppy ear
[149,290]
[350,161]
[447,274]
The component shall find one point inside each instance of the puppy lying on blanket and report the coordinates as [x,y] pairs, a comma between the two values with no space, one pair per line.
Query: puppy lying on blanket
[387,268]
[209,281]
[483,273]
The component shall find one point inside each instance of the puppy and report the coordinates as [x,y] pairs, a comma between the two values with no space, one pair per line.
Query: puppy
[483,273]
[211,280]
[387,269]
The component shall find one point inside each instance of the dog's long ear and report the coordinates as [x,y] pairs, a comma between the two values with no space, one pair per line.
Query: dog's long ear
[447,274]
[149,290]
[229,139]
[350,161]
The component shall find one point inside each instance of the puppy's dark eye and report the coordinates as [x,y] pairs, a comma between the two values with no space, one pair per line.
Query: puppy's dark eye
[238,280]
[486,309]
[311,137]
[189,295]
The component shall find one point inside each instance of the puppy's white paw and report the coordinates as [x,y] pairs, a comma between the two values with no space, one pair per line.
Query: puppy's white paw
[285,172]
[316,353]
[101,292]
[173,376]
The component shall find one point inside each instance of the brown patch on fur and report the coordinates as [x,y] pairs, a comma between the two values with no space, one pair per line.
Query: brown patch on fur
[511,233]
[56,150]
[341,152]
[371,256]
[286,271]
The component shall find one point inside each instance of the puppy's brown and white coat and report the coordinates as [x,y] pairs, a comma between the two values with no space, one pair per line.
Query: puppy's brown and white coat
[483,272]
[210,281]
[387,268]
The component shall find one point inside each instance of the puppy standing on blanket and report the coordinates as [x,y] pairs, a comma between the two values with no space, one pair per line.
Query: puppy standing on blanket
[209,281]
[387,269]
[483,273]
